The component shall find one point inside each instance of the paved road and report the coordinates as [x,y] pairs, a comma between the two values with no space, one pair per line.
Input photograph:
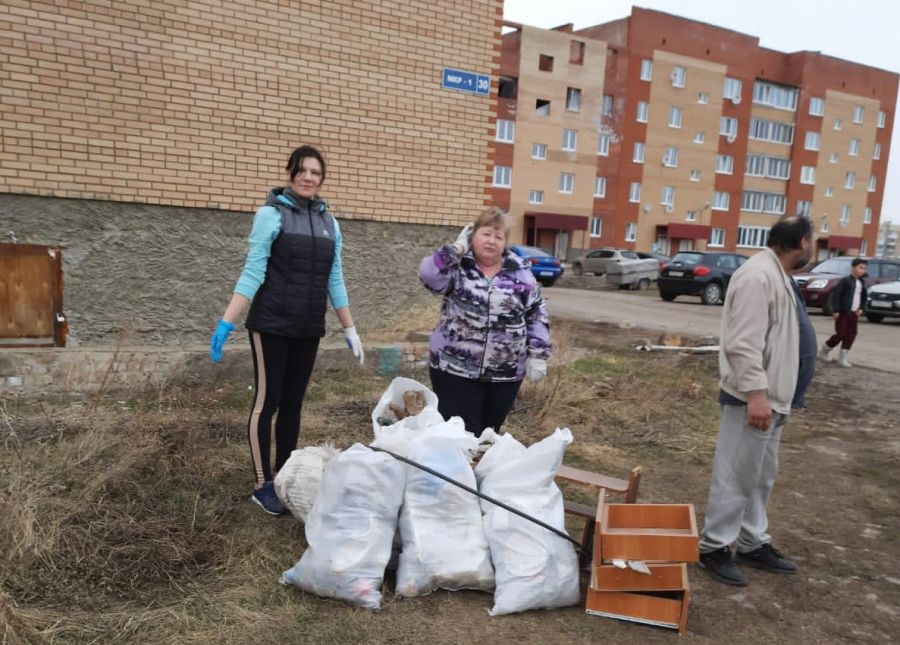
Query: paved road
[876,346]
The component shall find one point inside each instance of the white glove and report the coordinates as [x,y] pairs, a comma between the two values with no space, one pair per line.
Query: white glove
[535,369]
[354,343]
[462,240]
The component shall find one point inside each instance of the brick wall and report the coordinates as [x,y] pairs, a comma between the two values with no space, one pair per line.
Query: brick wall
[198,104]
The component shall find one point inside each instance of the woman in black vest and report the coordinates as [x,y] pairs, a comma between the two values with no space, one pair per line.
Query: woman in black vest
[293,265]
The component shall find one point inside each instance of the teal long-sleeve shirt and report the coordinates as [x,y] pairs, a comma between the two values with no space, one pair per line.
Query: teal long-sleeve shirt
[266,227]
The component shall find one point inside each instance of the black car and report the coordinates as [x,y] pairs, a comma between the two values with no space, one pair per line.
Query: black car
[698,273]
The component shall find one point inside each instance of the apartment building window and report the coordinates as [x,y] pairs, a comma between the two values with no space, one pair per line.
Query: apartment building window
[833,158]
[699,137]
[538,150]
[603,145]
[691,216]
[765,166]
[573,99]
[753,237]
[596,227]
[607,105]
[536,197]
[863,247]
[774,131]
[717,237]
[545,63]
[829,191]
[728,127]
[803,208]
[824,227]
[506,130]
[670,158]
[732,89]
[838,124]
[873,183]
[882,117]
[807,174]
[600,187]
[812,141]
[759,202]
[679,76]
[816,106]
[630,232]
[674,117]
[876,151]
[854,148]
[542,107]
[570,140]
[720,201]
[508,87]
[643,110]
[695,175]
[566,183]
[867,216]
[576,52]
[849,180]
[777,96]
[845,214]
[858,112]
[646,69]
[724,164]
[502,176]
[634,192]
[703,98]
[668,196]
[638,156]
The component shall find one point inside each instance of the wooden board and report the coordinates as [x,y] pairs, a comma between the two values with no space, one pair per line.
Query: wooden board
[667,576]
[663,609]
[649,532]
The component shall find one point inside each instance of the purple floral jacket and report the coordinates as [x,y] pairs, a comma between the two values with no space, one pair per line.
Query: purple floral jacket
[487,327]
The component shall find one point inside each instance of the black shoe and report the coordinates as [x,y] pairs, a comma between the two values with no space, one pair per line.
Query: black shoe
[767,557]
[720,565]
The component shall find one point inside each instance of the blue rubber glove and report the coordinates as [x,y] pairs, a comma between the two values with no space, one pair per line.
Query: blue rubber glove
[217,341]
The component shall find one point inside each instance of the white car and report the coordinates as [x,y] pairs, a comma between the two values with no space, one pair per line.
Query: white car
[883,301]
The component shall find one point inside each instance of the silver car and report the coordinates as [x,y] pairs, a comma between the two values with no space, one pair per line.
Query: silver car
[595,262]
[883,301]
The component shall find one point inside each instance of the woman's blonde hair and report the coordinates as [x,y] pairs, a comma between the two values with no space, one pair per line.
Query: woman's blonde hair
[494,217]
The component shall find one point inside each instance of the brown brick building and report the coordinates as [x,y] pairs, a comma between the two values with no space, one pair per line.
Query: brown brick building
[672,134]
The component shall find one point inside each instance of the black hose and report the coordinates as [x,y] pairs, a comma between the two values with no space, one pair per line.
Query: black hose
[430,471]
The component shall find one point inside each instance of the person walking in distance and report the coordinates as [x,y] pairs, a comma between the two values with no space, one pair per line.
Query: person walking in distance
[766,361]
[849,299]
[293,264]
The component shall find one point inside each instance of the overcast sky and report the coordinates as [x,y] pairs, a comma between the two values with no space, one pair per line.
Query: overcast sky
[863,31]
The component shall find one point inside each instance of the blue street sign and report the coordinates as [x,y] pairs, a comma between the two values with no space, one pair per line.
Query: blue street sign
[456,79]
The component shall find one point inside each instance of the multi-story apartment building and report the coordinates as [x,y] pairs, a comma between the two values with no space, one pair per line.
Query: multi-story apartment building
[658,132]
[887,246]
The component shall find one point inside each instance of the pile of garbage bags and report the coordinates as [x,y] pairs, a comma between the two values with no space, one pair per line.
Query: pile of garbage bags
[450,538]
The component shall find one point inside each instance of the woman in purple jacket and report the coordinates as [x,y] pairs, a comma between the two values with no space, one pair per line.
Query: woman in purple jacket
[493,330]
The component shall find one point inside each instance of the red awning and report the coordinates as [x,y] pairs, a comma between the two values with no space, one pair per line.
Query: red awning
[844,242]
[559,222]
[678,231]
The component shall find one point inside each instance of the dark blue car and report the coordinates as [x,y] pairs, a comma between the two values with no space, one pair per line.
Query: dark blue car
[546,268]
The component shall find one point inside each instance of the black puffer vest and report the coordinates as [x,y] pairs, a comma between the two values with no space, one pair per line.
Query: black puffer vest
[292,300]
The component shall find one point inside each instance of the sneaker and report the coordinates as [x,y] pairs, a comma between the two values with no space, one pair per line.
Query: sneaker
[268,500]
[767,557]
[842,361]
[720,565]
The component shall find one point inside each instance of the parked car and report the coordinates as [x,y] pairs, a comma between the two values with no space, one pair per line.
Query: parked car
[698,273]
[883,302]
[817,286]
[659,257]
[595,262]
[546,268]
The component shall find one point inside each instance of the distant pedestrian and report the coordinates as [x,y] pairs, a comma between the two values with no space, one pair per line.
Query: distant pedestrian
[849,300]
[293,266]
[766,361]
[493,331]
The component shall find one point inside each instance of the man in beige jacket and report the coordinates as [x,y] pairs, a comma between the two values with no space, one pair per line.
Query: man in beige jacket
[766,361]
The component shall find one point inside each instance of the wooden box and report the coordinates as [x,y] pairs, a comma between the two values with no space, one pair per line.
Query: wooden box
[661,608]
[649,532]
[663,576]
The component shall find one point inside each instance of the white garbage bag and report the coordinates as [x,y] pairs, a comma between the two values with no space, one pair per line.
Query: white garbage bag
[385,418]
[298,480]
[350,528]
[534,567]
[444,544]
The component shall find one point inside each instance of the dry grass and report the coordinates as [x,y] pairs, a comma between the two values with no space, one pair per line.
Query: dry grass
[127,520]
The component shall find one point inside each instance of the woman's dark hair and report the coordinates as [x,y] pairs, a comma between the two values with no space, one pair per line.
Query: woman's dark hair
[788,233]
[295,161]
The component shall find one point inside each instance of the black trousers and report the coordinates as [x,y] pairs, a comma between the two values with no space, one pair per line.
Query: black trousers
[481,404]
[282,367]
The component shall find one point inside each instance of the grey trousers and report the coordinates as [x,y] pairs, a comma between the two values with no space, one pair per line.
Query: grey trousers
[744,468]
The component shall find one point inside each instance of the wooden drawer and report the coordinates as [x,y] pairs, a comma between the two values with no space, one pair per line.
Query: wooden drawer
[663,608]
[654,532]
[667,576]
